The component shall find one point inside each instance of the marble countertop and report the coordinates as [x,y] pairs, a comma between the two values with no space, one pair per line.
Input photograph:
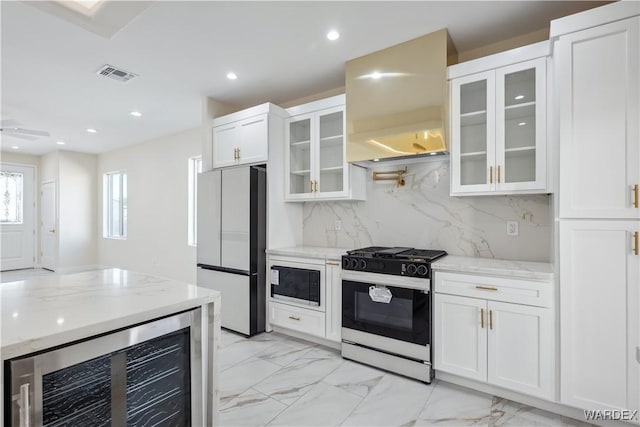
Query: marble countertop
[47,311]
[496,267]
[317,252]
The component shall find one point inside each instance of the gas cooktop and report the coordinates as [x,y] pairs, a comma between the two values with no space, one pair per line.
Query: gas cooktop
[398,261]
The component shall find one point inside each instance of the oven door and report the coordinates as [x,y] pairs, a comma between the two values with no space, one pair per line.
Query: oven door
[394,312]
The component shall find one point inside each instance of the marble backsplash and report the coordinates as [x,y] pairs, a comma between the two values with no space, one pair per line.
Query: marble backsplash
[423,215]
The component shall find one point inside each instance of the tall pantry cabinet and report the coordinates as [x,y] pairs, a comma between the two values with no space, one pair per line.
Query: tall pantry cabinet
[596,57]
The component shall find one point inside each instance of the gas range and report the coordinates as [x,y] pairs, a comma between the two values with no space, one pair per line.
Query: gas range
[397,261]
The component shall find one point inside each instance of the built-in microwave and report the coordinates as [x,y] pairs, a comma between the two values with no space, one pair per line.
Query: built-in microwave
[298,285]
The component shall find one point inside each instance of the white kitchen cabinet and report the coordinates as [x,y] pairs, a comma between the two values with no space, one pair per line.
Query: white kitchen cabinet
[460,338]
[316,165]
[598,96]
[333,283]
[498,125]
[481,337]
[599,313]
[520,348]
[243,137]
[323,321]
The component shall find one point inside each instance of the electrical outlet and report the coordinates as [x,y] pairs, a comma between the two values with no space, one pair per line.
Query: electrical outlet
[338,225]
[512,228]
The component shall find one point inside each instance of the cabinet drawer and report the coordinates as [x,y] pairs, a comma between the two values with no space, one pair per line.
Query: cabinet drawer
[299,319]
[495,288]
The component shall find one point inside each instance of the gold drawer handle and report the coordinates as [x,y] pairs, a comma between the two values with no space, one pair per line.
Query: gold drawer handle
[332,263]
[490,174]
[294,318]
[486,288]
[636,202]
[482,318]
[490,319]
[636,243]
[498,174]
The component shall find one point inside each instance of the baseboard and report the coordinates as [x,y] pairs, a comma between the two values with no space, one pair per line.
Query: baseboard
[556,408]
[307,337]
[79,268]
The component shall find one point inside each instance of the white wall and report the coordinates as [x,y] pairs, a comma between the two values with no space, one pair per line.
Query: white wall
[157,175]
[77,213]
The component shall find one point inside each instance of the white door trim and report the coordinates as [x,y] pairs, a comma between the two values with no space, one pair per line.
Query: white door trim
[56,222]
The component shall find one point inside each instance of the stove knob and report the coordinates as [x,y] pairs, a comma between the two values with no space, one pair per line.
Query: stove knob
[423,270]
[362,264]
[353,264]
[411,269]
[345,263]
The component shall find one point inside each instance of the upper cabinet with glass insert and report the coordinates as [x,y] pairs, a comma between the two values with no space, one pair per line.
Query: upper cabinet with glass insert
[316,166]
[498,124]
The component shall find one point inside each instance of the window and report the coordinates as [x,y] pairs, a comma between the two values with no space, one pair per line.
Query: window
[195,167]
[11,188]
[115,205]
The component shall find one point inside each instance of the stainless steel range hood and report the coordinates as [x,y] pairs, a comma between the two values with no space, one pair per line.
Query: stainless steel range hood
[396,101]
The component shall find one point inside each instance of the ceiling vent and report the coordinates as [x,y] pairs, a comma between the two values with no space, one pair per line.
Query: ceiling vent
[116,74]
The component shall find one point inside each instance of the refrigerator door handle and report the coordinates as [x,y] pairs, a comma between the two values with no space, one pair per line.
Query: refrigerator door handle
[226,269]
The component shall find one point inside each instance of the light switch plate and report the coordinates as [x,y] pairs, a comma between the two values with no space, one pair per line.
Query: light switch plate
[512,228]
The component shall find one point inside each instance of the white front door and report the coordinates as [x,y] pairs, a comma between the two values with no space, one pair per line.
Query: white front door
[17,216]
[48,230]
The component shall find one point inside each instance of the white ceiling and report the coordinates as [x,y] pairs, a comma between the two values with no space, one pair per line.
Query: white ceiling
[182,51]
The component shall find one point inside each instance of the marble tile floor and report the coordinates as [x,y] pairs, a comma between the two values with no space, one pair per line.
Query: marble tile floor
[275,380]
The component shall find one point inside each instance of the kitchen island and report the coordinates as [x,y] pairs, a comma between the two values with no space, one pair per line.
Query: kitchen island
[123,317]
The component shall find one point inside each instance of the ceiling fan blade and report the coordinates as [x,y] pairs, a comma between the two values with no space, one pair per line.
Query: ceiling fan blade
[7,133]
[32,132]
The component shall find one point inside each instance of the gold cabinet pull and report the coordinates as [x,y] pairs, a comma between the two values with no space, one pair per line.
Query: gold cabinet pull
[636,202]
[482,318]
[238,151]
[636,249]
[315,186]
[490,174]
[486,288]
[498,174]
[490,319]
[332,263]
[311,186]
[294,318]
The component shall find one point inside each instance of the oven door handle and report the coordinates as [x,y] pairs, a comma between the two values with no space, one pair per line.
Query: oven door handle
[380,294]
[387,280]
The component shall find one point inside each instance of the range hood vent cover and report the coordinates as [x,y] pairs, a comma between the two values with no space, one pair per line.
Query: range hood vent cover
[115,73]
[396,101]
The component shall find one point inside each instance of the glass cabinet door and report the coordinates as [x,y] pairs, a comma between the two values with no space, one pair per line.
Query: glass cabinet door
[299,133]
[520,120]
[473,132]
[331,170]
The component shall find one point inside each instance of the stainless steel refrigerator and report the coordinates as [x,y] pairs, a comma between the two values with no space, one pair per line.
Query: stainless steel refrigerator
[231,243]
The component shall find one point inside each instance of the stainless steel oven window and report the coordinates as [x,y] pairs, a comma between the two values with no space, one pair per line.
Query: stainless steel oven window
[27,373]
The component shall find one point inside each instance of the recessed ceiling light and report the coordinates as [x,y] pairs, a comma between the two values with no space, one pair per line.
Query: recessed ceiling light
[432,154]
[232,76]
[522,123]
[376,160]
[60,142]
[519,97]
[15,147]
[333,35]
[376,75]
[136,113]
[91,130]
[60,320]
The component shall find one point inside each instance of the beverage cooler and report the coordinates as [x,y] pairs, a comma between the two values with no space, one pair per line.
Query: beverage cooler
[147,375]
